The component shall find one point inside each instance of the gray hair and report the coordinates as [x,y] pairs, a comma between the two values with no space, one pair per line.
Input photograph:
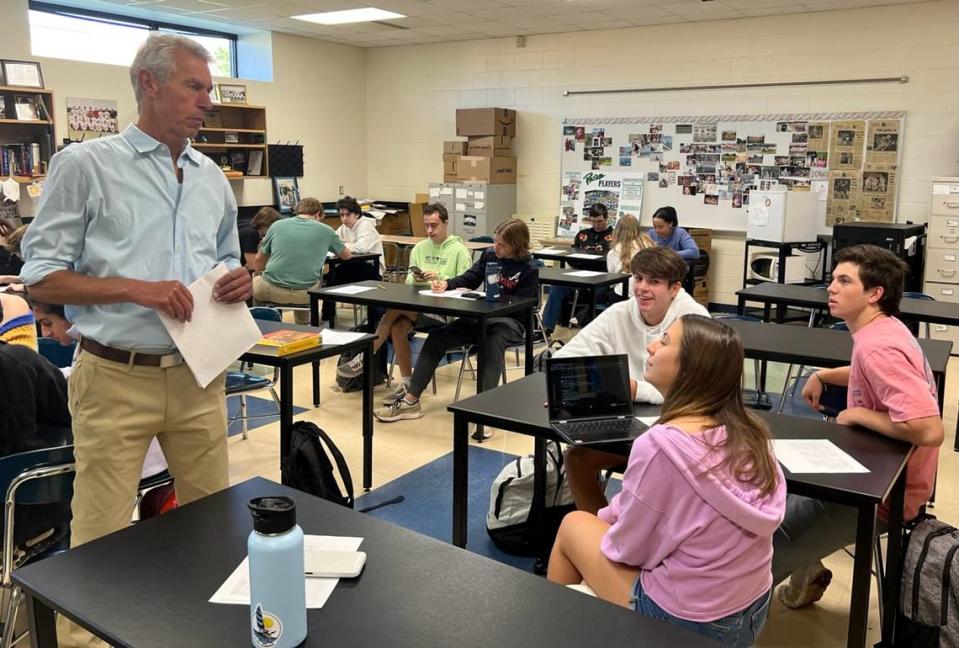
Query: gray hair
[158,55]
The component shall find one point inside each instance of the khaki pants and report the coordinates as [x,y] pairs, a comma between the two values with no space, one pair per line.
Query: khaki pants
[117,410]
[266,292]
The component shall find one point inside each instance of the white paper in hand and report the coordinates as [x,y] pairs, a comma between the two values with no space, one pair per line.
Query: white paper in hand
[216,335]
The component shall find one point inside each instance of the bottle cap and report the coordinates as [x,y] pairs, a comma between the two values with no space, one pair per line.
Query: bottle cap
[273,514]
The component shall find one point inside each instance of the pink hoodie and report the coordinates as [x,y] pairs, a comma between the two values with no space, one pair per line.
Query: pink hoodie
[703,539]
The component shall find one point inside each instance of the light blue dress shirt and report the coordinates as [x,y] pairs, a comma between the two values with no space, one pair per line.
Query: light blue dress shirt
[113,207]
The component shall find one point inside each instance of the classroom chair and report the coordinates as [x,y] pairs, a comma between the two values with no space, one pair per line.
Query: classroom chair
[911,294]
[838,326]
[38,477]
[241,383]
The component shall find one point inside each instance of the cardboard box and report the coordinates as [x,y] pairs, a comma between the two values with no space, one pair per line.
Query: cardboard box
[416,214]
[451,163]
[486,121]
[702,236]
[494,170]
[490,146]
[454,147]
[451,177]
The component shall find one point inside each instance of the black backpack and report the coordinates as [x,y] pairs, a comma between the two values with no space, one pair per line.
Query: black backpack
[308,468]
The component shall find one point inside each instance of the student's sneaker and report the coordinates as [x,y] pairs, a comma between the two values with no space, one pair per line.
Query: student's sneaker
[351,368]
[806,585]
[573,322]
[398,411]
[396,394]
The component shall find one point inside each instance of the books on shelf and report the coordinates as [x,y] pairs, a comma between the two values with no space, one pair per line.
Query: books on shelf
[286,341]
[20,159]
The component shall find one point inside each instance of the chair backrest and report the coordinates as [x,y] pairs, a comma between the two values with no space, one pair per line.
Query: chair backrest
[735,316]
[839,326]
[44,491]
[266,313]
[911,294]
[60,355]
[485,238]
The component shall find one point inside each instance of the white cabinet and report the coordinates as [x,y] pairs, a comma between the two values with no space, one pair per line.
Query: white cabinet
[942,253]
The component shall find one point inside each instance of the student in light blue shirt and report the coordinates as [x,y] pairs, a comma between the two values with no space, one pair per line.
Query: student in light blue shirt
[666,231]
[125,224]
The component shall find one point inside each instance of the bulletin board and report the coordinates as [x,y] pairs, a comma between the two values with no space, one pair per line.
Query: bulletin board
[706,165]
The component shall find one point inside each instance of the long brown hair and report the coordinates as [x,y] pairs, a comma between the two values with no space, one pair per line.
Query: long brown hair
[515,234]
[709,384]
[628,239]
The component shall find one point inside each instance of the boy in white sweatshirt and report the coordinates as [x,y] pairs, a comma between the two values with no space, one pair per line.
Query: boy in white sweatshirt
[628,327]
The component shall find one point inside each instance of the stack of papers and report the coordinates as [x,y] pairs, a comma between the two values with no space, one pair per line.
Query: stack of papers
[350,290]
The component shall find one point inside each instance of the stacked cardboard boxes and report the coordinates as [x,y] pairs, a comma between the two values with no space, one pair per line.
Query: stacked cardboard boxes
[704,240]
[487,155]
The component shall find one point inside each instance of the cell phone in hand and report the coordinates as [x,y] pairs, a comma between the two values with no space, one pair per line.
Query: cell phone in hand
[471,295]
[416,271]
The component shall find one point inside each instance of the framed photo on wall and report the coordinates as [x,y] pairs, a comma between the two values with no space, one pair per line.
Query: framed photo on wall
[232,93]
[286,193]
[25,74]
[26,106]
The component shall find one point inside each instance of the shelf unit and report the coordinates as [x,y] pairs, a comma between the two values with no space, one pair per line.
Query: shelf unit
[15,131]
[248,123]
[783,250]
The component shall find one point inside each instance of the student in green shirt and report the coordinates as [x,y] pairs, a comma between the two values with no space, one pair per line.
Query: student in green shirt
[439,256]
[292,255]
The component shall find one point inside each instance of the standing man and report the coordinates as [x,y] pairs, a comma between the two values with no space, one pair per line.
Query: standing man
[124,225]
[590,240]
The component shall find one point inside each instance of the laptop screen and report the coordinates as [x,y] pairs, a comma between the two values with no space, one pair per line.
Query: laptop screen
[588,386]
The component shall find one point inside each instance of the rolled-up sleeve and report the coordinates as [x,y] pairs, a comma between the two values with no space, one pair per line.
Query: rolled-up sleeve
[227,239]
[54,241]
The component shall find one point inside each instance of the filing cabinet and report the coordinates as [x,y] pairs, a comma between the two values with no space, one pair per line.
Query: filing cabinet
[942,254]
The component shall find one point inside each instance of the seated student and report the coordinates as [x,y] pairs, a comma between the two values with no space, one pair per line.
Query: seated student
[688,541]
[439,256]
[666,231]
[594,240]
[54,324]
[517,278]
[360,236]
[252,233]
[628,327]
[292,256]
[891,391]
[17,325]
[628,239]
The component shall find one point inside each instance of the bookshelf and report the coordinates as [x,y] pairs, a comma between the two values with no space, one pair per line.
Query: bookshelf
[27,144]
[234,133]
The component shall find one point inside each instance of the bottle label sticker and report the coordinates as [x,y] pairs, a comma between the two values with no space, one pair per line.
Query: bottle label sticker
[267,628]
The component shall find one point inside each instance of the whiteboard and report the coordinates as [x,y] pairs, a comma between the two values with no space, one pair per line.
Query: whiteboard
[742,151]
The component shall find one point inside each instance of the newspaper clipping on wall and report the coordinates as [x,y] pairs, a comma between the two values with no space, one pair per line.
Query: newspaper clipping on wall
[882,144]
[878,192]
[844,198]
[846,144]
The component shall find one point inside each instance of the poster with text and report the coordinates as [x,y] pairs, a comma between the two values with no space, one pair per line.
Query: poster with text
[621,193]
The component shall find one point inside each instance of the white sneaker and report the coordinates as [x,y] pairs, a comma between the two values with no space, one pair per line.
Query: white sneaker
[806,585]
[398,411]
[352,368]
[396,394]
[573,322]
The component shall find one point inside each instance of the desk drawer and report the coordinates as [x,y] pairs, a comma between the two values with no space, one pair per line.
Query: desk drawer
[942,291]
[945,199]
[944,231]
[942,265]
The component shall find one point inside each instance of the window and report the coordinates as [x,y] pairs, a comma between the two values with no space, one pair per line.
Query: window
[96,37]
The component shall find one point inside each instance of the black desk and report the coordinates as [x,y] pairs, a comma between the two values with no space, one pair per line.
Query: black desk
[314,355]
[561,277]
[593,262]
[517,407]
[402,296]
[148,585]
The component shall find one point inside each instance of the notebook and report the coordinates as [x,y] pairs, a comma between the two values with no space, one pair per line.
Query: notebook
[589,400]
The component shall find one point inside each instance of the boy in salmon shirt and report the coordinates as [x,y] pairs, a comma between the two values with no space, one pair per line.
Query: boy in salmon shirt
[891,390]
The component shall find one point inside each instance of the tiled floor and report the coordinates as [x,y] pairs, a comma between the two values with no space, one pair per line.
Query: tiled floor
[404,446]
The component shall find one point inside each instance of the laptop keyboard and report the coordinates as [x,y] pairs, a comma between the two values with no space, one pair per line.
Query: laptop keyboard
[588,431]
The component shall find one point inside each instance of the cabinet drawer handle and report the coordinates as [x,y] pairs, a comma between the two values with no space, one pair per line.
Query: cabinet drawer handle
[947,273]
[951,204]
[950,239]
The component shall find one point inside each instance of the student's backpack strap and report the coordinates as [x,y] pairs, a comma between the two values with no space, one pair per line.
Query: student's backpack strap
[341,466]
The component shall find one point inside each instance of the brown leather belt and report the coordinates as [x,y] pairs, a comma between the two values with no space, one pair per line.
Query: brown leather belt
[120,355]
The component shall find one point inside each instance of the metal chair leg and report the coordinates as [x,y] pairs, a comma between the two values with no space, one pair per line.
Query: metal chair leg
[243,426]
[782,398]
[459,379]
[880,575]
[10,619]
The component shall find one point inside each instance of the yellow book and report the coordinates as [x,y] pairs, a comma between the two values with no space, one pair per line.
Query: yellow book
[285,341]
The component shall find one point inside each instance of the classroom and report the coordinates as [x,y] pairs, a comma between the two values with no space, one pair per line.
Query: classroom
[527,209]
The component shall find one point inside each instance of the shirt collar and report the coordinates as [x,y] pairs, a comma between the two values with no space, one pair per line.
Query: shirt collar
[144,143]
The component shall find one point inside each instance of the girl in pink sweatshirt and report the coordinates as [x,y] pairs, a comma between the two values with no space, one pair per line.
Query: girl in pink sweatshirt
[689,539]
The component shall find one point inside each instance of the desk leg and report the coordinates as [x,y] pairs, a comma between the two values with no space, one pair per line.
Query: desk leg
[592,304]
[861,577]
[480,368]
[530,325]
[368,417]
[890,586]
[767,311]
[286,419]
[741,306]
[538,509]
[42,623]
[315,321]
[460,478]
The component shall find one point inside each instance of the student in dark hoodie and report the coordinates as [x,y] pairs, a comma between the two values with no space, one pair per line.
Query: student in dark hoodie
[518,277]
[689,539]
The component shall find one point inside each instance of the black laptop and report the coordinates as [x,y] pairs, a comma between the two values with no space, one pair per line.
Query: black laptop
[589,400]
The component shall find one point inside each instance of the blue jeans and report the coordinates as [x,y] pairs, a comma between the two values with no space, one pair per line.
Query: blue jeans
[554,305]
[740,629]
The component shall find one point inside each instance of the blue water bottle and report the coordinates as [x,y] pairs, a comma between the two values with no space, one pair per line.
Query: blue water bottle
[277,577]
[492,281]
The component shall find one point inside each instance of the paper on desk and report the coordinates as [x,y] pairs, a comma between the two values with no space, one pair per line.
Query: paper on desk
[331,336]
[235,590]
[580,255]
[231,325]
[648,420]
[455,294]
[350,290]
[548,250]
[583,273]
[815,456]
